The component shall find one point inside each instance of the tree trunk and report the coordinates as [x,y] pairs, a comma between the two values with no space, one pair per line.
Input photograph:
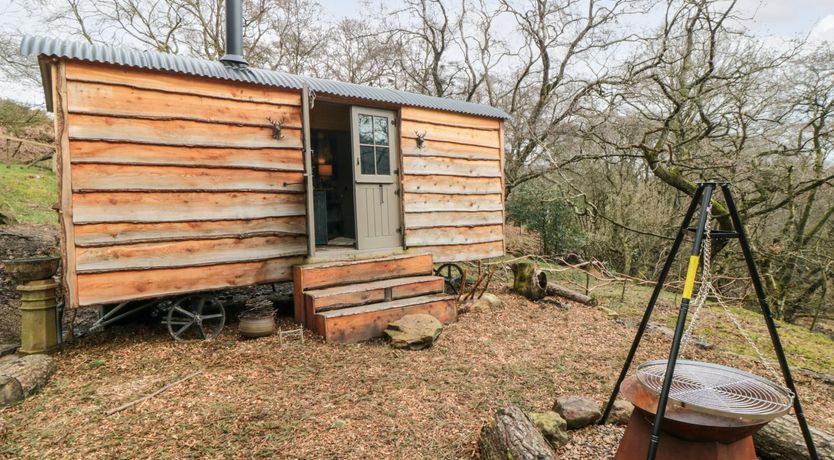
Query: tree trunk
[512,435]
[781,439]
[528,281]
[553,289]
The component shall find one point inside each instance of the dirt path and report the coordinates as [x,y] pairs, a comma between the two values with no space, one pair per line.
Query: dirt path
[259,399]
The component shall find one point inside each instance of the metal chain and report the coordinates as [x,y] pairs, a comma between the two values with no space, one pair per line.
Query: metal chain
[706,287]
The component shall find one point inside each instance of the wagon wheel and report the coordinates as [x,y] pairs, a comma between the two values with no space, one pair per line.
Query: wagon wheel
[453,276]
[197,316]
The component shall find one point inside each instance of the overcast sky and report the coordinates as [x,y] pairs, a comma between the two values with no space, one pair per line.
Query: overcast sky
[773,20]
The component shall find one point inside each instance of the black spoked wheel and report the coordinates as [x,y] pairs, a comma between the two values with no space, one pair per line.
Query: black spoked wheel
[453,275]
[198,316]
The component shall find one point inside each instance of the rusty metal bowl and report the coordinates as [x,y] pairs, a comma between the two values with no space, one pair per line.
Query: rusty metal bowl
[686,423]
[32,268]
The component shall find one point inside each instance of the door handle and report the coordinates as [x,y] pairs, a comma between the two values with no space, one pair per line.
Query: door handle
[381,195]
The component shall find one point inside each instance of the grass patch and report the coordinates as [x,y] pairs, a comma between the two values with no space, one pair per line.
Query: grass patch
[27,194]
[810,350]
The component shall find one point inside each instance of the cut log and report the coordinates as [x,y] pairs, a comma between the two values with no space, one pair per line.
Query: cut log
[513,435]
[528,281]
[32,371]
[782,439]
[554,289]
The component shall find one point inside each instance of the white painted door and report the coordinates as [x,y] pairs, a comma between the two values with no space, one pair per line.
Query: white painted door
[376,178]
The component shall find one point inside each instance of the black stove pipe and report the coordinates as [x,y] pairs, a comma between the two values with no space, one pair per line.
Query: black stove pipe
[234,34]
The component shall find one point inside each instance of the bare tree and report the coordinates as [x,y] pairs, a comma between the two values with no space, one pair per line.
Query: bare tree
[559,69]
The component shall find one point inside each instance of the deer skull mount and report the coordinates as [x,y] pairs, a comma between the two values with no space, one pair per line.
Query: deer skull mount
[276,128]
[421,139]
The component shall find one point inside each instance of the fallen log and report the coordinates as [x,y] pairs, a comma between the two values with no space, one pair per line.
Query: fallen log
[513,435]
[32,371]
[554,289]
[821,376]
[781,439]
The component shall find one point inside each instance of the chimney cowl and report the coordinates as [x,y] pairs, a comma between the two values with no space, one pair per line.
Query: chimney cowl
[234,35]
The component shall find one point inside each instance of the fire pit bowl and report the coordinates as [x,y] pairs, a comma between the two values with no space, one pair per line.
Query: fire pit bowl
[718,390]
[32,268]
[686,424]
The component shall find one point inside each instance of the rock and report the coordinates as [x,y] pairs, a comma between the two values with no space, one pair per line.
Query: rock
[493,300]
[32,371]
[414,332]
[577,411]
[10,390]
[553,427]
[658,328]
[620,413]
[486,302]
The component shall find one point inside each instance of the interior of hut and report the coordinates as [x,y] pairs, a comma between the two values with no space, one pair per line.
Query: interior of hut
[332,176]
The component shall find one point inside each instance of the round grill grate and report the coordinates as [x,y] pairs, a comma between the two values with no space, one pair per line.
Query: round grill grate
[718,390]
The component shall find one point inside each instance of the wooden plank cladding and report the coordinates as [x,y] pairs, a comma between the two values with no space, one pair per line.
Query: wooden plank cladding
[123,153]
[178,184]
[115,100]
[109,287]
[93,177]
[183,206]
[455,134]
[179,84]
[454,235]
[452,185]
[414,202]
[142,256]
[452,219]
[433,166]
[444,149]
[116,233]
[177,132]
[459,252]
[448,118]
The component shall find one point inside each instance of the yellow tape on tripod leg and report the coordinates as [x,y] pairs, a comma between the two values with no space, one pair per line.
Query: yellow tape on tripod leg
[689,286]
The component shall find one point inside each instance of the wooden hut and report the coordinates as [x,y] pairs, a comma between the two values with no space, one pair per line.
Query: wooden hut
[182,175]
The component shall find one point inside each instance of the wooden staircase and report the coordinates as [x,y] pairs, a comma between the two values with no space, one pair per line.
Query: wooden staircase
[351,301]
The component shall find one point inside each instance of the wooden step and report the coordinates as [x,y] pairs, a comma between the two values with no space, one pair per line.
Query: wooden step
[327,274]
[318,300]
[355,324]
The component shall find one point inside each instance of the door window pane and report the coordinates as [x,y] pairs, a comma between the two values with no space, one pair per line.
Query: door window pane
[382,165]
[366,159]
[381,130]
[366,129]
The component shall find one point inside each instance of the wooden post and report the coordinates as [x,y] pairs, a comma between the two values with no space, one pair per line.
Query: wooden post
[622,294]
[308,170]
[587,283]
[69,277]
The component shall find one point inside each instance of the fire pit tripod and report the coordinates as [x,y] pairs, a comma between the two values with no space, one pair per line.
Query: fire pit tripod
[724,404]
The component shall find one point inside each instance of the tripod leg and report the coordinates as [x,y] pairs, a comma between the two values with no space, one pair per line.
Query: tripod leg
[641,329]
[771,326]
[694,260]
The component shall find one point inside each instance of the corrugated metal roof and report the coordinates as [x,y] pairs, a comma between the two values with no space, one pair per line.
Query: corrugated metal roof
[41,46]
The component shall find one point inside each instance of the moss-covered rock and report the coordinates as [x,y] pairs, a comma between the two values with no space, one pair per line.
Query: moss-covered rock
[553,427]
